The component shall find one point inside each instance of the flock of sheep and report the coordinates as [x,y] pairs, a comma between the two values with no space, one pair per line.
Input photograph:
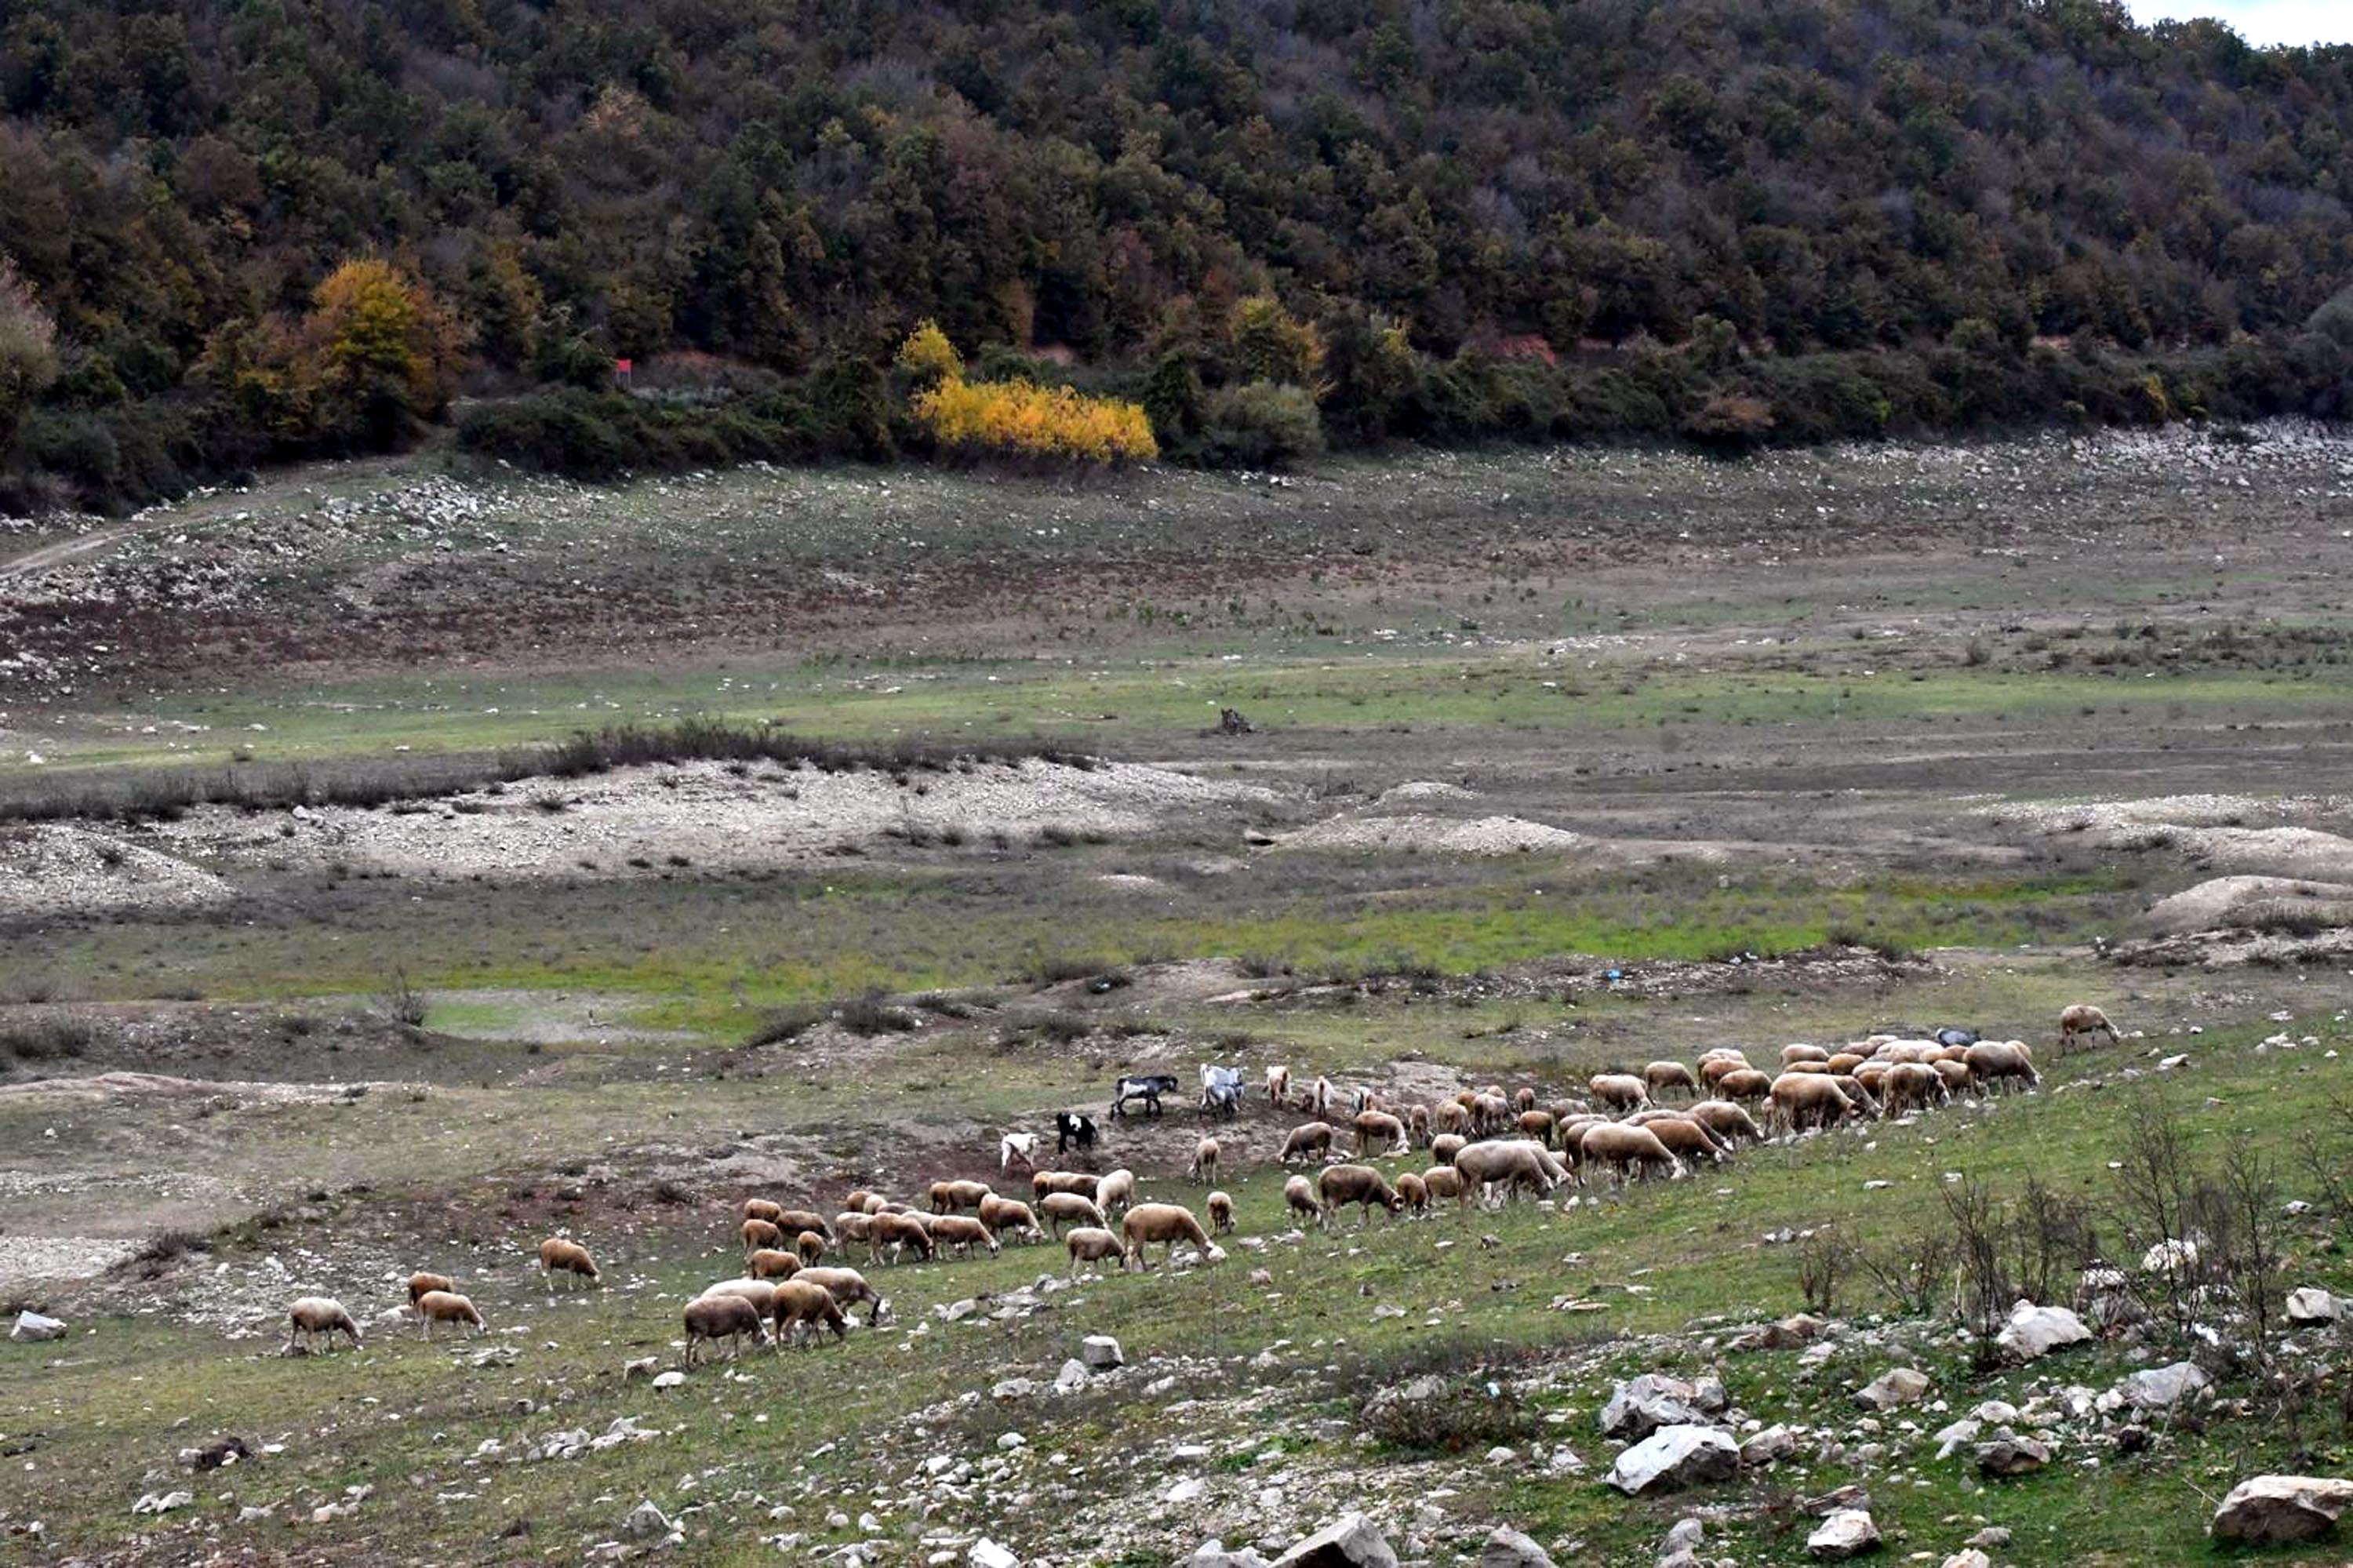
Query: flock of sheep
[1485,1148]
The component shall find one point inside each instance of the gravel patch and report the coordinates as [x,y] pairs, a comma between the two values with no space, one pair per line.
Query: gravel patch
[52,869]
[1418,833]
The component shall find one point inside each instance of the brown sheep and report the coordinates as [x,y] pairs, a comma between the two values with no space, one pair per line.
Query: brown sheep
[1373,1123]
[1278,1083]
[1871,1075]
[557,1255]
[876,1204]
[1801,1100]
[1443,1181]
[1446,1146]
[1914,1085]
[809,1246]
[1491,1113]
[1860,1093]
[1630,1152]
[315,1315]
[1413,1194]
[760,1293]
[856,1200]
[1059,1209]
[1620,1091]
[1451,1119]
[949,1197]
[1727,1122]
[1320,1094]
[717,1317]
[1314,1138]
[1046,1183]
[1524,1098]
[1003,1215]
[2080,1020]
[1538,1125]
[1792,1054]
[419,1283]
[1359,1184]
[963,1232]
[1205,1161]
[1299,1198]
[1745,1084]
[894,1232]
[2005,1062]
[1417,1126]
[792,1222]
[769,1263]
[818,1306]
[760,1208]
[847,1286]
[1117,1191]
[758,1234]
[1221,1213]
[1844,1062]
[1089,1244]
[1823,1068]
[854,1226]
[1512,1167]
[1955,1075]
[1660,1075]
[1684,1138]
[447,1307]
[1166,1223]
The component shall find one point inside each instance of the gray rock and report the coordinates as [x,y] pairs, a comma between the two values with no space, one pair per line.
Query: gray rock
[1992,1537]
[32,1329]
[2162,1388]
[1013,1388]
[1507,1547]
[1968,1557]
[1892,1389]
[2312,1305]
[2033,1332]
[1213,1555]
[670,1379]
[1846,1533]
[1352,1541]
[1681,1549]
[2276,1509]
[1642,1405]
[163,1502]
[2011,1455]
[1773,1443]
[986,1553]
[1673,1458]
[646,1522]
[1100,1352]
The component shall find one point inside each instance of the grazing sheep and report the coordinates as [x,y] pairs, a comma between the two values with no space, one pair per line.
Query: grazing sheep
[1726,1121]
[315,1315]
[1446,1146]
[1166,1223]
[759,1234]
[1630,1152]
[1524,1098]
[1359,1184]
[1620,1091]
[1684,1138]
[1373,1123]
[1823,1068]
[1277,1085]
[1513,1167]
[1221,1213]
[876,1204]
[1046,1183]
[1745,1084]
[1089,1244]
[715,1317]
[1417,1126]
[949,1197]
[1321,1095]
[1801,1100]
[894,1232]
[1793,1054]
[1003,1215]
[1205,1161]
[1538,1125]
[1491,1113]
[1660,1075]
[1860,1093]
[1313,1137]
[818,1306]
[1059,1209]
[769,1263]
[1451,1117]
[857,1201]
[760,1293]
[447,1307]
[1020,1147]
[760,1208]
[1955,1075]
[854,1226]
[1117,1191]
[847,1286]
[2084,1019]
[2005,1062]
[1912,1085]
[1873,1075]
[557,1255]
[1413,1194]
[419,1283]
[1299,1198]
[962,1231]
[810,1245]
[1442,1182]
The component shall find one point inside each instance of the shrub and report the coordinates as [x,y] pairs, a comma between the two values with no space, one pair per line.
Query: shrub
[1021,419]
[928,358]
[45,1039]
[1264,423]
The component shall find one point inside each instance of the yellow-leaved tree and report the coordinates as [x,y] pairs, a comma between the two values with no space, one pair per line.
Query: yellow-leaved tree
[383,350]
[1018,418]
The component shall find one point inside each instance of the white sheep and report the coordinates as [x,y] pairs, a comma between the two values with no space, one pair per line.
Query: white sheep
[313,1315]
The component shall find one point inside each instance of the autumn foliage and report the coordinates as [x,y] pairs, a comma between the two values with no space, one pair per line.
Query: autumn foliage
[1020,418]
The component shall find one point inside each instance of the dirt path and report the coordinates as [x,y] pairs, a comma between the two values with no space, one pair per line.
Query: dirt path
[59,554]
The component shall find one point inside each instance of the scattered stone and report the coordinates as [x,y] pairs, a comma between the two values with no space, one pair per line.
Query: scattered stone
[1352,1541]
[1100,1352]
[1190,1489]
[32,1328]
[2011,1455]
[1640,1406]
[1773,1443]
[1968,1557]
[1846,1533]
[644,1366]
[2311,1305]
[1213,1555]
[1673,1458]
[1507,1547]
[163,1502]
[1992,1537]
[647,1522]
[1895,1388]
[214,1456]
[670,1379]
[2277,1510]
[2033,1332]
[2162,1388]
[1681,1549]
[986,1553]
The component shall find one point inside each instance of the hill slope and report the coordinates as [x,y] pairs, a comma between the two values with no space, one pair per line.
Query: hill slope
[1534,182]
